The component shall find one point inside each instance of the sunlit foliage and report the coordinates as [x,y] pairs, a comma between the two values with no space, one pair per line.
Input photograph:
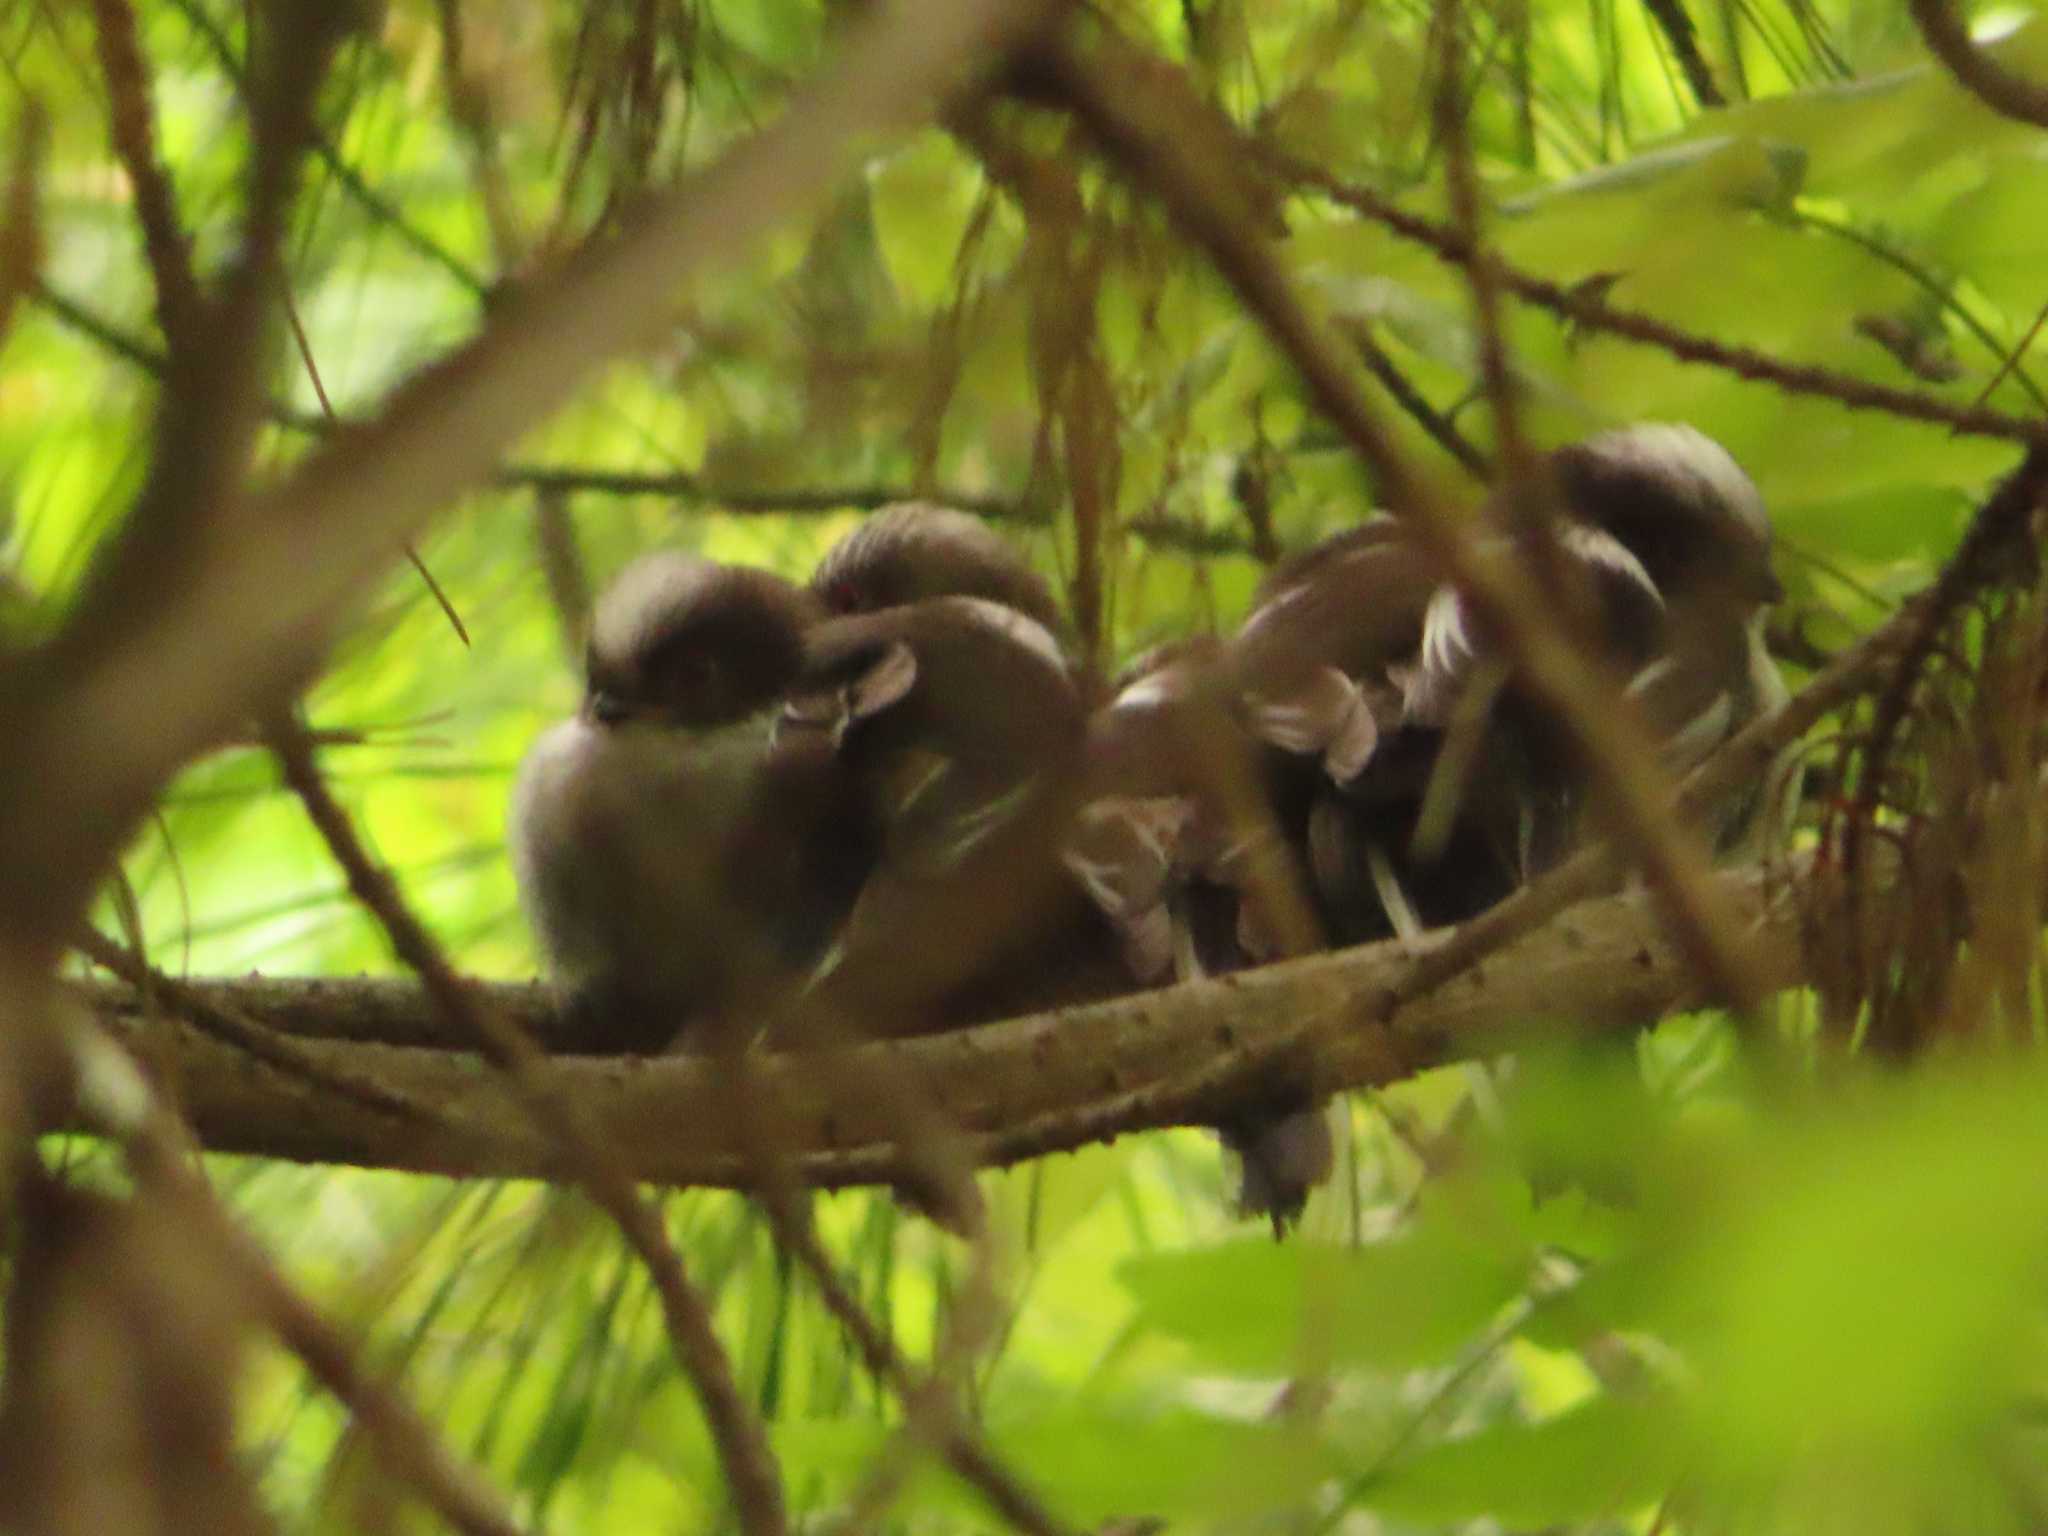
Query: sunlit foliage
[1718,1279]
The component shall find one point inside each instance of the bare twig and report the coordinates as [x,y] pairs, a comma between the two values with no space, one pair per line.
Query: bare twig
[128,121]
[1684,42]
[931,1410]
[781,501]
[1461,180]
[161,1155]
[2006,93]
[924,1395]
[561,563]
[469,101]
[412,553]
[380,208]
[21,236]
[1586,308]
[1401,389]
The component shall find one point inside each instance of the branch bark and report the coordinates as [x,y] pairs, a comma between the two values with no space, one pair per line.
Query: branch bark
[1017,1090]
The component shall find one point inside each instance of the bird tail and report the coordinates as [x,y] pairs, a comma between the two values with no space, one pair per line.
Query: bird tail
[1281,1158]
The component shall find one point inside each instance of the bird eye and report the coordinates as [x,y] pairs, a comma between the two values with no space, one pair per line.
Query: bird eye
[843,595]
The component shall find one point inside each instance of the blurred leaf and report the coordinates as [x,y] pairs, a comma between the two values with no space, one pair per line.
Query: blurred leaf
[1603,1461]
[1097,1463]
[1261,1308]
[922,198]
[1870,1271]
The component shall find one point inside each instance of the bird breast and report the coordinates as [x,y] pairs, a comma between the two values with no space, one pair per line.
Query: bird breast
[621,840]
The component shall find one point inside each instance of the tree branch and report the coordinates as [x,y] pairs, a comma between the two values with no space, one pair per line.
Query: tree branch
[1017,1090]
[1678,31]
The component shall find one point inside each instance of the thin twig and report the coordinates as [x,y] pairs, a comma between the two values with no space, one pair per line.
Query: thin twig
[21,235]
[161,1154]
[380,208]
[412,553]
[1586,308]
[1461,180]
[1441,429]
[929,1408]
[2008,94]
[561,564]
[1684,42]
[128,120]
[926,1402]
[1176,534]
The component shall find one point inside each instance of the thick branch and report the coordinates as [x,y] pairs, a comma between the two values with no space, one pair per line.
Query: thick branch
[1017,1090]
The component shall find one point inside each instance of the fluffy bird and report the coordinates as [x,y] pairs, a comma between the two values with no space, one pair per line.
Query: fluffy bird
[909,551]
[675,859]
[1207,768]
[959,724]
[845,799]
[957,729]
[880,801]
[1326,720]
[1672,543]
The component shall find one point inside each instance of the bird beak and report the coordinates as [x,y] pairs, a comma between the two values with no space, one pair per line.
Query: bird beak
[605,708]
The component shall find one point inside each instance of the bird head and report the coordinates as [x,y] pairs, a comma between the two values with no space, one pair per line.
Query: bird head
[915,550]
[679,641]
[1678,502]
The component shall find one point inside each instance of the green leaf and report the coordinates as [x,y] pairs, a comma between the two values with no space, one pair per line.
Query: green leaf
[1261,1308]
[1095,1464]
[922,199]
[1603,1460]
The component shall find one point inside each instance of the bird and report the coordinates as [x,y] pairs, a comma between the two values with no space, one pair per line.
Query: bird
[1673,546]
[1342,688]
[999,707]
[1206,769]
[845,796]
[957,727]
[674,860]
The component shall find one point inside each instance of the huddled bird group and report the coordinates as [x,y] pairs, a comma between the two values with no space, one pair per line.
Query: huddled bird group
[888,802]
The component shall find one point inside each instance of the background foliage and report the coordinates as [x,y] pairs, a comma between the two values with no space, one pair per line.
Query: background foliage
[1710,1281]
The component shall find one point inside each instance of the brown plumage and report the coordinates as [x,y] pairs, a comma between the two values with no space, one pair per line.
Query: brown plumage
[959,730]
[673,862]
[1673,544]
[853,814]
[913,550]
